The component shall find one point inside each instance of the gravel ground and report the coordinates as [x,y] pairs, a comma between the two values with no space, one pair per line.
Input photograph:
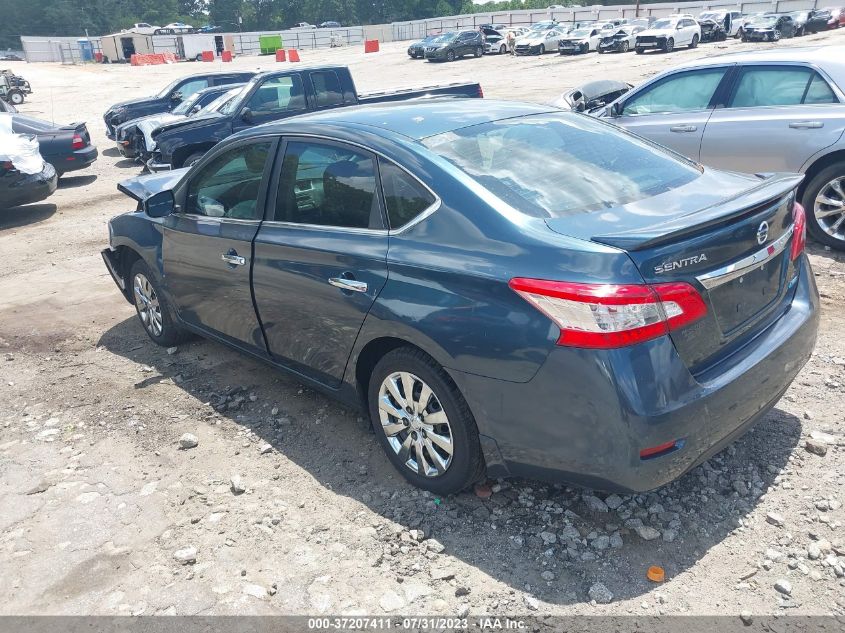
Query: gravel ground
[279,501]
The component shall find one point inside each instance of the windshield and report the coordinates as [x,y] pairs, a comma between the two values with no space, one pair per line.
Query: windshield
[663,24]
[235,103]
[580,33]
[446,37]
[712,16]
[187,105]
[168,89]
[587,165]
[428,39]
[764,20]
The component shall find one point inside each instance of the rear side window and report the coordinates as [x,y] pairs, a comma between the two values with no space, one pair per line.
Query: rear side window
[586,164]
[682,92]
[327,88]
[328,185]
[780,86]
[404,195]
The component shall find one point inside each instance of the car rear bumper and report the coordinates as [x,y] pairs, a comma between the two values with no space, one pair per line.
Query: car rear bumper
[80,159]
[586,415]
[30,188]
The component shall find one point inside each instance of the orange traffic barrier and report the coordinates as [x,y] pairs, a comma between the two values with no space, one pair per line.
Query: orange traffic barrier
[208,56]
[226,56]
[151,60]
[293,55]
[371,46]
[280,55]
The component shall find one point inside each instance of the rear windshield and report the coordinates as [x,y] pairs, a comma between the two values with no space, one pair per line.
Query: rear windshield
[562,164]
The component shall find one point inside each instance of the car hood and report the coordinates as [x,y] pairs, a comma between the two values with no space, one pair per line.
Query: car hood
[656,32]
[142,187]
[191,123]
[708,200]
[150,123]
[131,102]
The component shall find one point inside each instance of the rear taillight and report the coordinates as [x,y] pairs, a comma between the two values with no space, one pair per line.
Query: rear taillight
[480,92]
[77,142]
[605,316]
[7,165]
[799,231]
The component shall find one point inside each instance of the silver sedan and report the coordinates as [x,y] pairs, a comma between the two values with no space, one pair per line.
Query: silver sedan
[779,110]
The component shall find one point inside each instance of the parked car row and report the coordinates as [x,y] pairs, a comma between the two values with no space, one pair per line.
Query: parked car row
[621,35]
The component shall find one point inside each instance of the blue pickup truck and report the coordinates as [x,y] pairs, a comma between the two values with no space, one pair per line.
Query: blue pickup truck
[274,95]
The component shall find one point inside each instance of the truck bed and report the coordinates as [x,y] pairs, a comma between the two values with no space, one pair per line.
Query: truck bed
[469,90]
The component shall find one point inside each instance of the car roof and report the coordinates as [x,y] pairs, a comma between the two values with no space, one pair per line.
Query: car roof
[415,119]
[831,59]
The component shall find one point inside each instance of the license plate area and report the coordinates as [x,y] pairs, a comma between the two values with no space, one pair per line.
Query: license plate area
[741,299]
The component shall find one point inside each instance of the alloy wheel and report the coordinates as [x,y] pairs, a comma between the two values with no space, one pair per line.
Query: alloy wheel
[146,301]
[415,424]
[829,208]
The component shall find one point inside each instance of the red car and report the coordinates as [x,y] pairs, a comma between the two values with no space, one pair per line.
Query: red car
[837,17]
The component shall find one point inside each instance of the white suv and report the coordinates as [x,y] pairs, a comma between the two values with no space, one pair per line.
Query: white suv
[668,33]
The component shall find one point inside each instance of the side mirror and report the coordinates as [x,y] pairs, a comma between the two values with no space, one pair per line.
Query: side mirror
[196,109]
[176,96]
[246,115]
[615,109]
[679,27]
[160,205]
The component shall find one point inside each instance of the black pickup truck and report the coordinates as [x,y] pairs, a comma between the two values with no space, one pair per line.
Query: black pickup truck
[168,98]
[274,95]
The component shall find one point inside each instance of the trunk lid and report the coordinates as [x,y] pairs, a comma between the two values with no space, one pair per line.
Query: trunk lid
[729,236]
[142,187]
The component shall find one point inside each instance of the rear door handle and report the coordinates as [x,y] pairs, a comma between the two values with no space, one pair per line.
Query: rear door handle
[683,128]
[348,284]
[806,125]
[233,258]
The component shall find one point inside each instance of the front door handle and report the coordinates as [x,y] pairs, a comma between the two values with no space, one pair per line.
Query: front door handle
[683,128]
[806,125]
[348,284]
[233,258]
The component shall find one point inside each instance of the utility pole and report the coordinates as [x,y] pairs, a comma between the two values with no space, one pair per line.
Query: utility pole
[637,14]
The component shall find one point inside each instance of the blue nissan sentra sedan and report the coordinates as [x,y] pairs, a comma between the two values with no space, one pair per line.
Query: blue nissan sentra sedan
[610,315]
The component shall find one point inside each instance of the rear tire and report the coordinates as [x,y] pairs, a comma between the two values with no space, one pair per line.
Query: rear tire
[198,58]
[152,308]
[460,469]
[638,50]
[15,97]
[823,183]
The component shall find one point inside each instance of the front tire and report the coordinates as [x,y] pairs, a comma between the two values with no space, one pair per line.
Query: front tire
[542,50]
[694,43]
[585,48]
[638,50]
[193,159]
[152,308]
[15,97]
[450,56]
[503,49]
[669,45]
[824,204]
[478,52]
[423,422]
[625,47]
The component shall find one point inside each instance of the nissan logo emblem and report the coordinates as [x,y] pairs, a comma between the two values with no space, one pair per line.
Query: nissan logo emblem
[763,233]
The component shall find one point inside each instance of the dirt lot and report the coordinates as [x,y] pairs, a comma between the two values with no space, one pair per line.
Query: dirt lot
[96,497]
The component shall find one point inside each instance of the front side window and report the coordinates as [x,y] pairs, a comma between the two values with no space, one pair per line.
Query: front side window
[276,95]
[327,88]
[587,165]
[780,86]
[229,186]
[328,185]
[404,196]
[189,88]
[683,92]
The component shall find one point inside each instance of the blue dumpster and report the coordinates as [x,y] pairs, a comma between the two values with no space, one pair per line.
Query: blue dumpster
[86,49]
